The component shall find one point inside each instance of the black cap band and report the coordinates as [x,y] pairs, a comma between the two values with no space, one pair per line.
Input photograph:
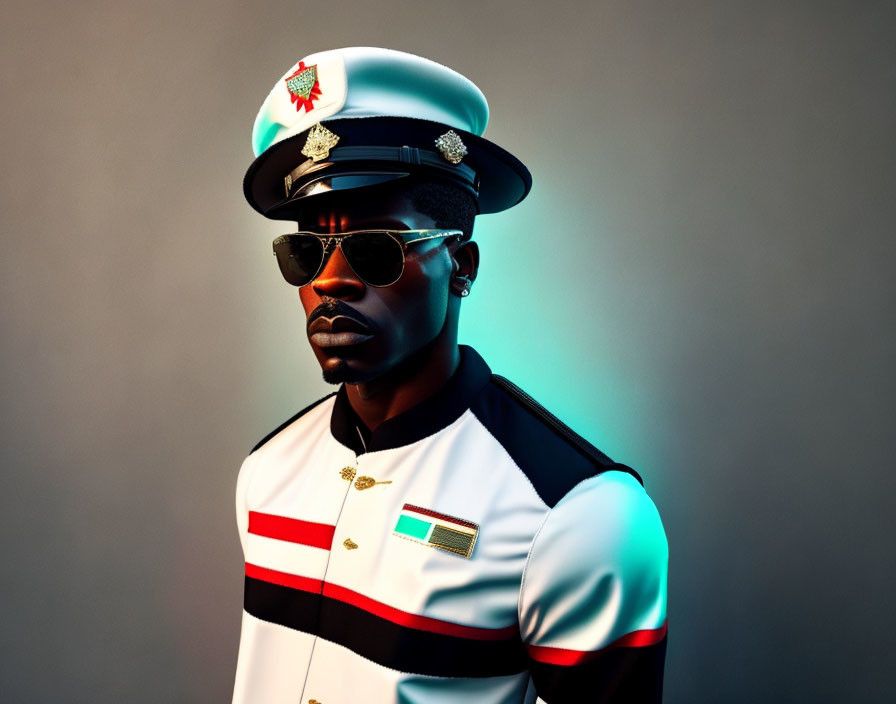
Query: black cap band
[401,155]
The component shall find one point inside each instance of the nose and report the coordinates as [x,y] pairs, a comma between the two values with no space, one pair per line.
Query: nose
[337,279]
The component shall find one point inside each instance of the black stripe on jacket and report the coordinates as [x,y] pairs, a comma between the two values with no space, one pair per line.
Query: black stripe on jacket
[618,676]
[384,642]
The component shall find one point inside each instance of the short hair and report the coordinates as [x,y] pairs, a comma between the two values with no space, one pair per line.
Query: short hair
[448,205]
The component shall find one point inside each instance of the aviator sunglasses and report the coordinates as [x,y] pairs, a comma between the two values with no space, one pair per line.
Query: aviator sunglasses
[376,256]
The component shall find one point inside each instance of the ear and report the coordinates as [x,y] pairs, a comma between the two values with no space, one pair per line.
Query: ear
[465,266]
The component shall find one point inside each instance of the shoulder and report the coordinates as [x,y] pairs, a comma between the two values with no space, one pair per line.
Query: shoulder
[289,421]
[607,533]
[592,603]
[609,516]
[552,456]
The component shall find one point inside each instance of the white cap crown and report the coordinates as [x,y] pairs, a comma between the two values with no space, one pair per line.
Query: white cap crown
[367,82]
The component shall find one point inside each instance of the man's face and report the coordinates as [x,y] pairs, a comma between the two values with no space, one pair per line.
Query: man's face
[400,318]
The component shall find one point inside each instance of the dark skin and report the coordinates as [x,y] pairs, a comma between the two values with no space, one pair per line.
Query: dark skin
[412,349]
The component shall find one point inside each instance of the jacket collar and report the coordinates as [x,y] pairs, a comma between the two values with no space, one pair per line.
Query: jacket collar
[422,420]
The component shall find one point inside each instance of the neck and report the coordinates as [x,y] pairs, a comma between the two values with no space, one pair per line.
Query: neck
[408,383]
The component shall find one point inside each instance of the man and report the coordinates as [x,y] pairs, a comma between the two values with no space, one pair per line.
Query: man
[427,532]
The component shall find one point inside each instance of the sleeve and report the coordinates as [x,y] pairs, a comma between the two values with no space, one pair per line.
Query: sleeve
[592,607]
[242,507]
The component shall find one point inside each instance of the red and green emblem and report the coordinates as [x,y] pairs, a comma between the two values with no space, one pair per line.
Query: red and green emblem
[303,86]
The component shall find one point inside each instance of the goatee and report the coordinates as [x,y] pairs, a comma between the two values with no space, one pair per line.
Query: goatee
[337,374]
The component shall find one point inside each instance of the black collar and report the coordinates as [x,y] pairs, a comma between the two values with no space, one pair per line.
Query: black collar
[426,418]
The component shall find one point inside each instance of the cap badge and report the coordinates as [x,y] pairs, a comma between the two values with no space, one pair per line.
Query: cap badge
[319,142]
[451,147]
[303,86]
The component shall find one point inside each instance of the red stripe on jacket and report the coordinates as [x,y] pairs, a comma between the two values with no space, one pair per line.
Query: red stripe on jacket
[562,656]
[292,530]
[294,581]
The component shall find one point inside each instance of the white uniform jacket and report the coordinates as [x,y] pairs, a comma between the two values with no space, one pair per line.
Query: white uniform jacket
[472,548]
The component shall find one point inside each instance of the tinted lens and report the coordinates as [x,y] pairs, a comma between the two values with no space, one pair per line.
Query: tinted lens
[375,256]
[299,257]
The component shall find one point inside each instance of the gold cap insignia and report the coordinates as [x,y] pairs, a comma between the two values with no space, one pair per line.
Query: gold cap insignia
[451,147]
[319,142]
[349,543]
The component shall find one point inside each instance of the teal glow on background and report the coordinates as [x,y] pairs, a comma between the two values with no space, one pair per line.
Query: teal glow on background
[537,310]
[559,312]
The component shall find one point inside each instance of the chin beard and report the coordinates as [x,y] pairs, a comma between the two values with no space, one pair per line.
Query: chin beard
[337,374]
[340,373]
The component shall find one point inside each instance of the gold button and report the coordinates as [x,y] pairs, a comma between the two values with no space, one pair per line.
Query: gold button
[347,473]
[349,544]
[367,482]
[313,701]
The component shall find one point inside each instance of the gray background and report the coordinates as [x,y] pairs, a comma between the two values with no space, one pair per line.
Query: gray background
[714,188]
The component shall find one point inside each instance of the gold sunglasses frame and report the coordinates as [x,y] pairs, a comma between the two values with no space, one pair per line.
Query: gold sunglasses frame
[400,237]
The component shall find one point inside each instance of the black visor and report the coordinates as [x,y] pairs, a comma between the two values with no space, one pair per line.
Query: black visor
[344,182]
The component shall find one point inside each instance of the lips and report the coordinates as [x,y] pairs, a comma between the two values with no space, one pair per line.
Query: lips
[338,331]
[340,323]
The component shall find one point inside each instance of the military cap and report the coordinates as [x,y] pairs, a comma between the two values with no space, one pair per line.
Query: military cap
[358,116]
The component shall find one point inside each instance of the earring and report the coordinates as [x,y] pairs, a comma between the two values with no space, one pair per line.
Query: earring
[465,291]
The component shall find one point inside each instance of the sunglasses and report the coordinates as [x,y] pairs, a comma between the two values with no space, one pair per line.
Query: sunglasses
[376,256]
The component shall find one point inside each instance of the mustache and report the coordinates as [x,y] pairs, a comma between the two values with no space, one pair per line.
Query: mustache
[333,307]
